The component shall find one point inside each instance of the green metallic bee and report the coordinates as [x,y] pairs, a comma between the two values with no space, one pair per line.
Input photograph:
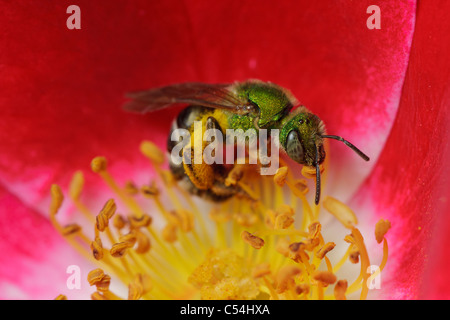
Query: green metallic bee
[245,105]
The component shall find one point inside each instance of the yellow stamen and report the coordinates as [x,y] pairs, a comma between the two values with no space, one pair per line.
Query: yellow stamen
[325,277]
[339,290]
[381,228]
[342,212]
[151,151]
[76,185]
[325,249]
[280,176]
[153,254]
[57,198]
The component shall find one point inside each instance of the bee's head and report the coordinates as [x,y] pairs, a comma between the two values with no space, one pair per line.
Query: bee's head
[301,137]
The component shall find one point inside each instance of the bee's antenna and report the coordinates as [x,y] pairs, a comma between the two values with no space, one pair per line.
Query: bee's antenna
[359,152]
[317,176]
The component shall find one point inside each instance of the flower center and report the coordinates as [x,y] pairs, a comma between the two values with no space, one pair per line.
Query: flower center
[274,247]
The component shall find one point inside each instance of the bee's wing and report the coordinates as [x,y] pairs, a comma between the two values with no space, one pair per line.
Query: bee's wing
[201,94]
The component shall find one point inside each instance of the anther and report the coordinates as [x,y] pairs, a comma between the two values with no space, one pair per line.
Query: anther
[153,152]
[283,221]
[354,254]
[302,288]
[61,297]
[97,248]
[285,278]
[310,172]
[254,241]
[280,176]
[138,222]
[57,198]
[103,284]
[381,228]
[99,164]
[314,229]
[99,279]
[169,233]
[130,188]
[143,243]
[70,229]
[144,281]
[327,247]
[76,185]
[324,277]
[98,296]
[95,276]
[129,238]
[134,291]
[349,239]
[119,222]
[101,222]
[341,211]
[118,250]
[109,208]
[138,287]
[339,289]
[302,185]
[105,214]
[297,251]
[310,244]
[150,191]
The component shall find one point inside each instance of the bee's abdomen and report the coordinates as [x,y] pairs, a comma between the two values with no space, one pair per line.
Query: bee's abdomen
[184,120]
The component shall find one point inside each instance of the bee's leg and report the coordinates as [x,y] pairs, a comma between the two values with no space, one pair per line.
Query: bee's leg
[212,123]
[209,181]
[202,175]
[222,189]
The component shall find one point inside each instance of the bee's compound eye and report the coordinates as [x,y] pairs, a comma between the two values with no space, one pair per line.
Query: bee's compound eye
[294,147]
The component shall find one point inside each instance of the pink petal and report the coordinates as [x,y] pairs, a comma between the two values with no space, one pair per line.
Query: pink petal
[409,185]
[34,258]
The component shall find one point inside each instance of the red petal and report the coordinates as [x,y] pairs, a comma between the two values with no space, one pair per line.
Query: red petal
[409,185]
